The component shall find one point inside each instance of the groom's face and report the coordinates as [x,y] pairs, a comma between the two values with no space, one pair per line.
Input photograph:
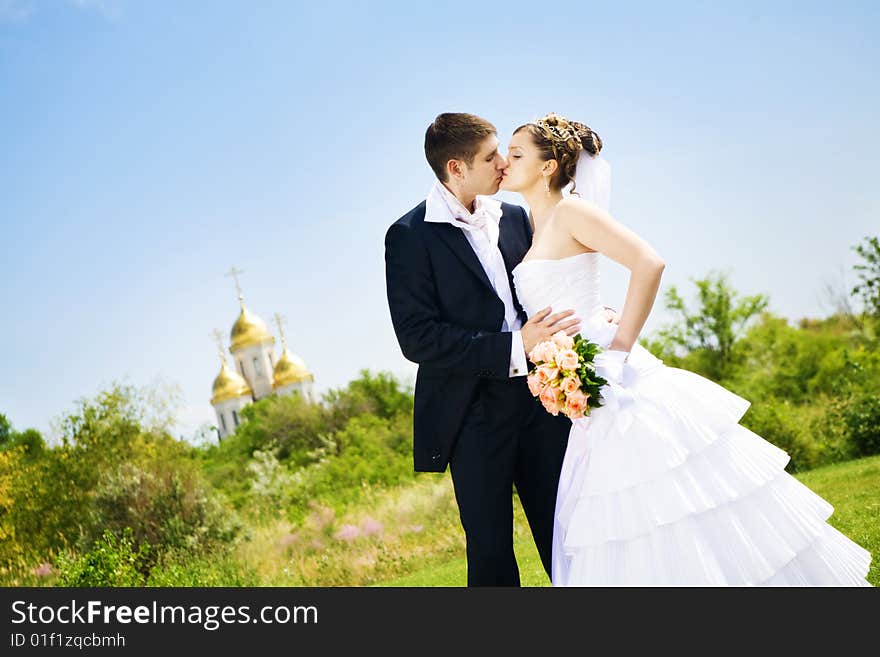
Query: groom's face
[483,176]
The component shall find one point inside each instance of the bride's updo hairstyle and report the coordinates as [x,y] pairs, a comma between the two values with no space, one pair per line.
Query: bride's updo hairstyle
[559,139]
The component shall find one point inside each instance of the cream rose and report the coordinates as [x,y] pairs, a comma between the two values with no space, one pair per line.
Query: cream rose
[570,384]
[548,351]
[575,415]
[550,400]
[563,341]
[567,359]
[534,383]
[547,373]
[576,402]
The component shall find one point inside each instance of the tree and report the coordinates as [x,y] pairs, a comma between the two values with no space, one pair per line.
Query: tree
[718,321]
[869,273]
[110,471]
[6,431]
[380,394]
[30,439]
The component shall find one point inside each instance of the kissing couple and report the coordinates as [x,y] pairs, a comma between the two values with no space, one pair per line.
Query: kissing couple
[659,485]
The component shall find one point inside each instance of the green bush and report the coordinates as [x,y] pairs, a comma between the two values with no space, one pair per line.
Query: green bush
[289,423]
[11,549]
[814,386]
[49,503]
[786,426]
[368,452]
[30,439]
[380,395]
[164,503]
[216,568]
[112,561]
[287,441]
[861,420]
[111,471]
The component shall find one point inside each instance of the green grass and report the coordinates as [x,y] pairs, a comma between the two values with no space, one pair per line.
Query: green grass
[421,543]
[454,572]
[853,488]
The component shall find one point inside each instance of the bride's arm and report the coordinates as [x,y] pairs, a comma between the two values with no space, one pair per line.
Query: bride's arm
[596,229]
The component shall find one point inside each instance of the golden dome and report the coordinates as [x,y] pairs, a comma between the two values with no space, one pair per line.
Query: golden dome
[248,330]
[290,368]
[229,384]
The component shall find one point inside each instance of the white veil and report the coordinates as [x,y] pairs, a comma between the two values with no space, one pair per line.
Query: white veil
[592,180]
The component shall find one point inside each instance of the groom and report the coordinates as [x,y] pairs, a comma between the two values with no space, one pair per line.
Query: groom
[455,313]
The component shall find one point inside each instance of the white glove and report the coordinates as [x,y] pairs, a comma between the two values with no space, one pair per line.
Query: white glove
[609,365]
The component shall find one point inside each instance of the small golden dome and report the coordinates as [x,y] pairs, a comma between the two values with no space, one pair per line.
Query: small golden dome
[249,330]
[290,368]
[229,384]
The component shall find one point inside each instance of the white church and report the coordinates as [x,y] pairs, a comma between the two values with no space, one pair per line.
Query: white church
[255,372]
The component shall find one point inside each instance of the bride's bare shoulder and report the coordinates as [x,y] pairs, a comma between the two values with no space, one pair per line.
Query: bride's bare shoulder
[574,208]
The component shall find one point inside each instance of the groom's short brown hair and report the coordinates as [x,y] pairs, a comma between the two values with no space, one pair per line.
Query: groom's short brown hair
[455,136]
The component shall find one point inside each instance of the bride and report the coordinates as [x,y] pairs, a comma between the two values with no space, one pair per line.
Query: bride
[660,485]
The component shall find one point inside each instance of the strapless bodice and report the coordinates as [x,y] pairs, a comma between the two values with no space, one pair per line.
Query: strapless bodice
[563,284]
[573,283]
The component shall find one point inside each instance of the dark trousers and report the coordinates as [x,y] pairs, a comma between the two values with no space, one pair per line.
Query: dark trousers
[507,440]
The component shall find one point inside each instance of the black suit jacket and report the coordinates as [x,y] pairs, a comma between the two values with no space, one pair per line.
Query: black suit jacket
[448,319]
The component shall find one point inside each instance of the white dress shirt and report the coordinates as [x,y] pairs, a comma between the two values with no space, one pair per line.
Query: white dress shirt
[481,228]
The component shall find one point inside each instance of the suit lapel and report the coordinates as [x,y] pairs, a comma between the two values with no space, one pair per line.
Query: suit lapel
[455,239]
[510,243]
[512,248]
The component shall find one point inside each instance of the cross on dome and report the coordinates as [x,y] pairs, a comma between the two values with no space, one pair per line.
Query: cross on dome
[234,273]
[218,337]
[279,320]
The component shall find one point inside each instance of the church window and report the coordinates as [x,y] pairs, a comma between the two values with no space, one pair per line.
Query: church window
[223,422]
[235,417]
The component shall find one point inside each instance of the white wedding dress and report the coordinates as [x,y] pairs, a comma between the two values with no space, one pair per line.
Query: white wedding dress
[666,488]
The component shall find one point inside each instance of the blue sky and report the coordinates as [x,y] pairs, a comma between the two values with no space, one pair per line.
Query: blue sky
[147,147]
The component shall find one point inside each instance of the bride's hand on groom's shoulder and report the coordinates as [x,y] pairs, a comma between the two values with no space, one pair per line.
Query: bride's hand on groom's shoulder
[542,325]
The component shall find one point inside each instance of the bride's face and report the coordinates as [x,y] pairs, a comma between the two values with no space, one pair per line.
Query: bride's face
[524,164]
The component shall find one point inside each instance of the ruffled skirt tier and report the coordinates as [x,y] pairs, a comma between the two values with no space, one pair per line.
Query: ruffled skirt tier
[668,489]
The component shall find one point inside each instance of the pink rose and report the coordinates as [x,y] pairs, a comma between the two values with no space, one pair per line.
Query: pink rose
[574,415]
[534,382]
[570,384]
[567,359]
[576,402]
[541,373]
[550,400]
[538,354]
[542,353]
[563,341]
[533,354]
[547,373]
[552,408]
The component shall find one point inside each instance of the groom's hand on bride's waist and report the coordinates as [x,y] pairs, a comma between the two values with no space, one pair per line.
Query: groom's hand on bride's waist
[542,325]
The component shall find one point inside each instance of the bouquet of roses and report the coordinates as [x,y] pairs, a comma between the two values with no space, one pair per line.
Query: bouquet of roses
[565,377]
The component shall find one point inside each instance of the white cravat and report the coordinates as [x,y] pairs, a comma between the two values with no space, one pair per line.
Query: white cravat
[482,228]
